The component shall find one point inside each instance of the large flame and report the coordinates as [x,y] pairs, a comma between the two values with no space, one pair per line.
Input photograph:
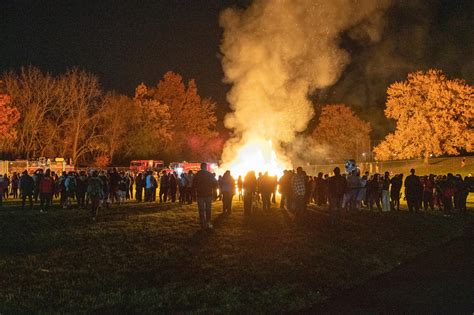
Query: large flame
[258,156]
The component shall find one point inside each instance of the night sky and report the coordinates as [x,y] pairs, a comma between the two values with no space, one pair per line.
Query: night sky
[127,42]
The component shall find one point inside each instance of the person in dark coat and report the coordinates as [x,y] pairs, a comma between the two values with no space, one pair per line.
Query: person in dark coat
[139,187]
[395,188]
[413,187]
[250,189]
[227,187]
[173,186]
[204,184]
[336,186]
[285,189]
[164,186]
[27,186]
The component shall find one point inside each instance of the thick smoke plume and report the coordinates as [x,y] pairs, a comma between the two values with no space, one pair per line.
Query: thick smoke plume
[277,52]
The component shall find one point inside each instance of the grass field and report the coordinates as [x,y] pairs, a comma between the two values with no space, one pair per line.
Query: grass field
[154,257]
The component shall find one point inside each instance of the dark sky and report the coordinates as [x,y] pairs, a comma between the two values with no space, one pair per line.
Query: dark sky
[127,42]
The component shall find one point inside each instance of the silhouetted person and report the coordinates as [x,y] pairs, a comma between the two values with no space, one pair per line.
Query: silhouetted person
[298,186]
[285,189]
[164,186]
[46,190]
[412,191]
[336,188]
[27,186]
[266,189]
[250,189]
[227,187]
[395,188]
[204,183]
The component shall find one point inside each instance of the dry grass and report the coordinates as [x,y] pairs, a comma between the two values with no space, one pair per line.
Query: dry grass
[154,258]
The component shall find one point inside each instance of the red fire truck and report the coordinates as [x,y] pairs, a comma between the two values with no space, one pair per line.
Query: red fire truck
[146,165]
[185,167]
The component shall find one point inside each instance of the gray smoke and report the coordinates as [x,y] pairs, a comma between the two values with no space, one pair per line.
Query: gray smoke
[277,52]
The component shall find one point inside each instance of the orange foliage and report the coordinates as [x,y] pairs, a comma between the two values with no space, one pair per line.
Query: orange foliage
[9,116]
[342,133]
[434,116]
[102,161]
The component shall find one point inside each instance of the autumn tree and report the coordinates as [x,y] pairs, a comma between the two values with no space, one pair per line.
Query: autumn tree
[79,106]
[58,115]
[33,93]
[118,117]
[341,133]
[434,116]
[153,129]
[9,116]
[193,118]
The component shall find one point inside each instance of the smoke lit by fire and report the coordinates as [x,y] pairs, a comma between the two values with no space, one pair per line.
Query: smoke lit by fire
[276,53]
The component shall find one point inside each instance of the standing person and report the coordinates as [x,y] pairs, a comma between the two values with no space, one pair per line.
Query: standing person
[362,192]
[228,190]
[105,188]
[173,183]
[298,189]
[27,186]
[448,193]
[395,188]
[37,175]
[250,188]
[164,186]
[114,185]
[336,187]
[465,193]
[6,186]
[148,186]
[15,185]
[412,187]
[285,189]
[428,192]
[386,192]
[374,192]
[204,184]
[95,192]
[123,188]
[266,188]
[2,188]
[190,191]
[81,189]
[139,187]
[219,183]
[353,186]
[182,183]
[154,178]
[240,186]
[274,183]
[319,189]
[131,181]
[46,190]
[71,187]
[61,189]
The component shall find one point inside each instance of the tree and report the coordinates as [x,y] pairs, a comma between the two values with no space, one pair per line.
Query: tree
[192,117]
[9,116]
[434,116]
[152,126]
[118,116]
[34,95]
[341,133]
[79,107]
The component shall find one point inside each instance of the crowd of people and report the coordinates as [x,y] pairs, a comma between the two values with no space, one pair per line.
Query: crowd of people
[340,191]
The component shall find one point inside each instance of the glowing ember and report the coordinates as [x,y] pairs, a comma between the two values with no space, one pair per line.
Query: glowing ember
[258,156]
